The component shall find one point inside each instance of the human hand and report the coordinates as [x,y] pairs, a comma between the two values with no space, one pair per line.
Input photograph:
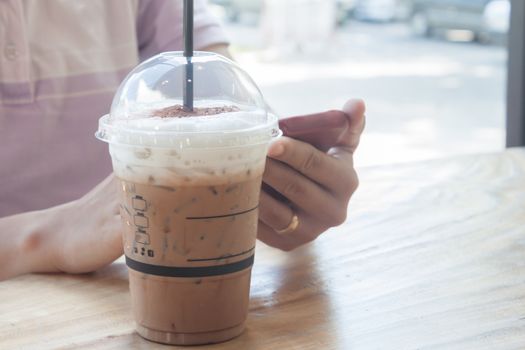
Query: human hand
[317,186]
[91,234]
[75,237]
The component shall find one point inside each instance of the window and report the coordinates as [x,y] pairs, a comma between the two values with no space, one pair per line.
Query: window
[433,72]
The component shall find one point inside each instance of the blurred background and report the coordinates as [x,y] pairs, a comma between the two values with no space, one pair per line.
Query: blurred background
[433,72]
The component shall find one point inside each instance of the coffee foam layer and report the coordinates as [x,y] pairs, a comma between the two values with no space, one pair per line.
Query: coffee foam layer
[224,122]
[188,167]
[210,131]
[173,151]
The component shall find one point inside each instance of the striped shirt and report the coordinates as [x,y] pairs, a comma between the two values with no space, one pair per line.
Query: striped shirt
[60,64]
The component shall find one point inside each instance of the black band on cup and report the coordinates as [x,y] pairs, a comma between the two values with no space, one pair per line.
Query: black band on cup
[197,271]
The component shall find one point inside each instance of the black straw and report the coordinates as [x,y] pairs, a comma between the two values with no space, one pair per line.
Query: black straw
[188,53]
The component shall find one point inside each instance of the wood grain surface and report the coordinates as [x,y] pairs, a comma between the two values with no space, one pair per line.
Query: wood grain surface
[432,256]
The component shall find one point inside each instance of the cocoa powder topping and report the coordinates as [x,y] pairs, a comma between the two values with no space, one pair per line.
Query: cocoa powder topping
[178,111]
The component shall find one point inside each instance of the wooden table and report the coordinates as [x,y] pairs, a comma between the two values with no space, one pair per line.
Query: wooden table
[431,257]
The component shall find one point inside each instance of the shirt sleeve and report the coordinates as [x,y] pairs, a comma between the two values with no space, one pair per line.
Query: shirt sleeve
[159,27]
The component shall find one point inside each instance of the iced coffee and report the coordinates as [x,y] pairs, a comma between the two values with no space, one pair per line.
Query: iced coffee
[189,184]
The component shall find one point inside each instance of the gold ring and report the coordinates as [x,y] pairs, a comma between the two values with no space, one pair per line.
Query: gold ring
[292,226]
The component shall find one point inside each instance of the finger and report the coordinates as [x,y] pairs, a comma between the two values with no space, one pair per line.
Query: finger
[303,193]
[307,231]
[274,213]
[348,142]
[267,235]
[320,167]
[307,160]
[355,110]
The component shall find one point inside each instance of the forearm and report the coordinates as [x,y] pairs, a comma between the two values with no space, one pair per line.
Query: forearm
[25,241]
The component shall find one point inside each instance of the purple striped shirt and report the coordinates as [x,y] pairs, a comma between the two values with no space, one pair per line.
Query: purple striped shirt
[60,63]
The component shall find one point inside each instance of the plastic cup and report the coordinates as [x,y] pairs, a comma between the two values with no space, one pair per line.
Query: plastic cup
[189,189]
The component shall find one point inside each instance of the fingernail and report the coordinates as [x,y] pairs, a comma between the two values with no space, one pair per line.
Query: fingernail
[276,150]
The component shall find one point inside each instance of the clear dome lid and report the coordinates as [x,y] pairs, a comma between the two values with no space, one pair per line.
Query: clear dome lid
[148,108]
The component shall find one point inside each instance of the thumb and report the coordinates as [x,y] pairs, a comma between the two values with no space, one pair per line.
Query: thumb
[355,112]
